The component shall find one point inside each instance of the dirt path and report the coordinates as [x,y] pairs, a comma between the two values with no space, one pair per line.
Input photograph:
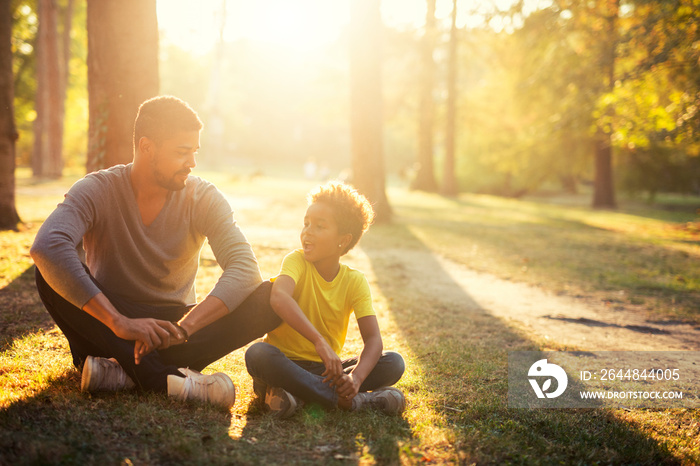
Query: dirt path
[576,323]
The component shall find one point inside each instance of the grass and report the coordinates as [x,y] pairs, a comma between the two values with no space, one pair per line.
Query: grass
[456,381]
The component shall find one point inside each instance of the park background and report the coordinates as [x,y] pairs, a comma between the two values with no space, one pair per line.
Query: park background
[549,144]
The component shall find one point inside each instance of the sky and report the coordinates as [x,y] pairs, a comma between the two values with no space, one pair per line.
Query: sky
[304,25]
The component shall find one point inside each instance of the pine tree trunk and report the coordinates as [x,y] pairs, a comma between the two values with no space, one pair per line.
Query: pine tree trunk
[603,187]
[366,119]
[449,180]
[604,183]
[425,176]
[48,126]
[9,219]
[122,73]
[64,72]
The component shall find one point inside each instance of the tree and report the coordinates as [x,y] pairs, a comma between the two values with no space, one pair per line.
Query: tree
[8,132]
[47,157]
[603,186]
[122,73]
[425,175]
[449,179]
[366,120]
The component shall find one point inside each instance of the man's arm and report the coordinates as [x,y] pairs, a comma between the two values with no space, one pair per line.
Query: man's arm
[241,274]
[55,254]
[148,333]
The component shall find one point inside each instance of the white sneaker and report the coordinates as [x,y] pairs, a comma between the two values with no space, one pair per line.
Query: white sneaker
[388,400]
[104,375]
[217,389]
[281,403]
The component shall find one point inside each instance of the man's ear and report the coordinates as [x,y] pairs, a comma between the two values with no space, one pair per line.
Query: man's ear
[147,146]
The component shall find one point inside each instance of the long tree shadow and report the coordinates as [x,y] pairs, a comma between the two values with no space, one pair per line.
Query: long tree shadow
[604,258]
[22,310]
[460,372]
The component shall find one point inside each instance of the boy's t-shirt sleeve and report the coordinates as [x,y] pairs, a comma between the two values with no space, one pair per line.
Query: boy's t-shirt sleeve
[293,265]
[362,302]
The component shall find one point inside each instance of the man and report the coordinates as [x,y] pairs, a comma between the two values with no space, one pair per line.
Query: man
[130,313]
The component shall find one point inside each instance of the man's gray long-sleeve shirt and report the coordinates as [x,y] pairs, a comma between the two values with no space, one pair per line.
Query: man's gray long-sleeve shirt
[155,264]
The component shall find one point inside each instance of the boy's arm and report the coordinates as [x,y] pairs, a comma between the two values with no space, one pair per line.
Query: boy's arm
[283,303]
[372,351]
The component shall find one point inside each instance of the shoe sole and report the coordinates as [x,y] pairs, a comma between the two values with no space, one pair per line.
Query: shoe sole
[87,374]
[227,381]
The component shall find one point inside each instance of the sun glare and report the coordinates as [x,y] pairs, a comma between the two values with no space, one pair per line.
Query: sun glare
[302,25]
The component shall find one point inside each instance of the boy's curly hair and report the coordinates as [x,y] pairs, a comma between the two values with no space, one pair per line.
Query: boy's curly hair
[351,210]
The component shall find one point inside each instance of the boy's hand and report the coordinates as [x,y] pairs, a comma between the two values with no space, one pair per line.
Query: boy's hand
[334,367]
[347,386]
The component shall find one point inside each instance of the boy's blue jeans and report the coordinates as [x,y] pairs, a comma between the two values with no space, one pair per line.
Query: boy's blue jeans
[270,367]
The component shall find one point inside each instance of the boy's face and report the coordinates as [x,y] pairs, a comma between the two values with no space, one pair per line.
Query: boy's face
[320,237]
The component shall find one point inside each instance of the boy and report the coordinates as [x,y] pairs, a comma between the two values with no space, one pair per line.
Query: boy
[314,295]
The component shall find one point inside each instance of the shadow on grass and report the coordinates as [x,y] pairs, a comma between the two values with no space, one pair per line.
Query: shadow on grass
[605,260]
[22,310]
[60,425]
[597,323]
[459,374]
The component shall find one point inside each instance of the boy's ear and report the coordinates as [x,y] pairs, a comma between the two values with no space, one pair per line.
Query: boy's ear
[345,240]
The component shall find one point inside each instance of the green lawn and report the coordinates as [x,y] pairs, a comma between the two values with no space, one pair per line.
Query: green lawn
[456,381]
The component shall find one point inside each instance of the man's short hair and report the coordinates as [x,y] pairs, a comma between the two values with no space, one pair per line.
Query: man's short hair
[163,116]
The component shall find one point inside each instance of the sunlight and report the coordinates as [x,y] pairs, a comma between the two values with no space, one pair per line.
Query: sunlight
[304,25]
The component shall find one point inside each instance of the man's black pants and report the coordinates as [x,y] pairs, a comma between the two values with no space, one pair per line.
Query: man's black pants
[88,336]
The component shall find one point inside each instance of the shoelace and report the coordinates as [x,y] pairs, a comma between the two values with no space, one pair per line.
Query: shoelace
[113,376]
[196,387]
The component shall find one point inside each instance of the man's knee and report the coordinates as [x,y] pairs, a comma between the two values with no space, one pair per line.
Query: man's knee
[395,364]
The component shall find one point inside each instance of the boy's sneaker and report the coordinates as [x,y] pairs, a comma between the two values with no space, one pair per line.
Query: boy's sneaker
[217,389]
[388,400]
[104,375]
[281,403]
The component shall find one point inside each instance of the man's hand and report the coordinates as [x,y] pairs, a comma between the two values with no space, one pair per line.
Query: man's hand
[149,334]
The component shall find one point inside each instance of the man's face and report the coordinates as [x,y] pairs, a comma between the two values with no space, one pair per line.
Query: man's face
[174,159]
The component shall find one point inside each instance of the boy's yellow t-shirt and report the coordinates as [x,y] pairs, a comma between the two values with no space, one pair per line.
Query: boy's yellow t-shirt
[327,305]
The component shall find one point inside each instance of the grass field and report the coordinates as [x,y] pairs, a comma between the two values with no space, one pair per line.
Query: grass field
[456,381]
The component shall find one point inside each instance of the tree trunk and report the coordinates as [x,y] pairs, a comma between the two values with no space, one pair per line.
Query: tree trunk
[8,132]
[604,185]
[449,181]
[65,65]
[425,176]
[122,73]
[366,119]
[48,126]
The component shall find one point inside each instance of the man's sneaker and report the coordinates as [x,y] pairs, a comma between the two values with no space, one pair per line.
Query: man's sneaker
[281,403]
[104,375]
[217,389]
[388,400]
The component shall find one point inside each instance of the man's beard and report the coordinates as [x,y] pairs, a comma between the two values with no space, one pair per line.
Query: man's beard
[172,183]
